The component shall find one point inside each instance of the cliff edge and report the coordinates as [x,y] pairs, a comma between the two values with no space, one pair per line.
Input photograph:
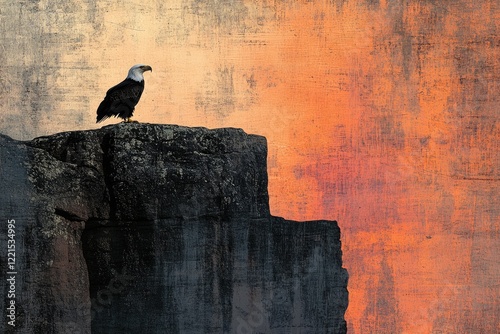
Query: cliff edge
[158,229]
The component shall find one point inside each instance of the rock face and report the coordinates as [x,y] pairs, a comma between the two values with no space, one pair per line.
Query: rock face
[160,229]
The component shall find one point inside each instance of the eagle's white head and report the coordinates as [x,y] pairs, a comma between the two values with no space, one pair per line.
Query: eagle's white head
[136,72]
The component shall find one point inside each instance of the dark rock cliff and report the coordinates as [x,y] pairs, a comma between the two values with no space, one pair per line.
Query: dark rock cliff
[160,229]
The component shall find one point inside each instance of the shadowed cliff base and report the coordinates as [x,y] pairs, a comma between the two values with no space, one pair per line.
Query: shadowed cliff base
[162,229]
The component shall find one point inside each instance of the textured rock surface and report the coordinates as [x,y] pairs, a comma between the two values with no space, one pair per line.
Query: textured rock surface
[162,229]
[51,284]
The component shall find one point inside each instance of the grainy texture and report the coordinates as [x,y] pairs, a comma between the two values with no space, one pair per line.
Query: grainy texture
[51,284]
[163,229]
[381,114]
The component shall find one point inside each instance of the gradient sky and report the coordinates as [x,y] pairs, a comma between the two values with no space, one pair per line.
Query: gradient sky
[381,115]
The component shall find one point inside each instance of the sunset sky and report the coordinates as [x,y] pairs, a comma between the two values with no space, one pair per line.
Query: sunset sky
[381,115]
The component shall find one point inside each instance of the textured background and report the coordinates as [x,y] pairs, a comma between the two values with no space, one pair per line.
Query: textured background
[382,115]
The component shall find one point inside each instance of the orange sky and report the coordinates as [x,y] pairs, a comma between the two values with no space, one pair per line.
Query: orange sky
[379,115]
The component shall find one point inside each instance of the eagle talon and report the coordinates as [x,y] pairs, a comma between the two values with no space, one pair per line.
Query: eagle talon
[130,120]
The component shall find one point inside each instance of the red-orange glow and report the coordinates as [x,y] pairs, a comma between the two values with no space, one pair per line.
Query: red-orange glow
[382,115]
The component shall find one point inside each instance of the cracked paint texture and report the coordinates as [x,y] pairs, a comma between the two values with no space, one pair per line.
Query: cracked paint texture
[382,115]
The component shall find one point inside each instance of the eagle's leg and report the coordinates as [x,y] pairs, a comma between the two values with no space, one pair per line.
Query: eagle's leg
[130,120]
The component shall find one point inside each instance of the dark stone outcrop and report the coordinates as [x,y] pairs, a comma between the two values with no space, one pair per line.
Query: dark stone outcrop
[160,229]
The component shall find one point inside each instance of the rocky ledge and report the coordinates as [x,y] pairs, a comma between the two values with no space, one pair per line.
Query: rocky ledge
[158,229]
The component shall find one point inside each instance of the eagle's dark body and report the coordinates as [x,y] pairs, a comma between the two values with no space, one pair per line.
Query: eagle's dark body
[120,100]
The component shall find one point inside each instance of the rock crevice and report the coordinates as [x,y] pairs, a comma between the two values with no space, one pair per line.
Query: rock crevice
[162,229]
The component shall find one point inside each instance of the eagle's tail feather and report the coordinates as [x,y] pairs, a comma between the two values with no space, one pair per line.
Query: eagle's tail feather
[102,111]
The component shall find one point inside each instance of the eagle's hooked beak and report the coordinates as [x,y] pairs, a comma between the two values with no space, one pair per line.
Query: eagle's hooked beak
[146,68]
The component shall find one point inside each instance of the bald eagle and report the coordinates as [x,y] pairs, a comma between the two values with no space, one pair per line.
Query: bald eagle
[121,99]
